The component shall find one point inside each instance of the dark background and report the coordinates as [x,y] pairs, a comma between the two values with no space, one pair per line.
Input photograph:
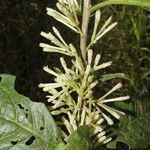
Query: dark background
[21,22]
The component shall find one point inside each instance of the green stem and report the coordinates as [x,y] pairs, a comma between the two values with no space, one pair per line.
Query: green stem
[119,2]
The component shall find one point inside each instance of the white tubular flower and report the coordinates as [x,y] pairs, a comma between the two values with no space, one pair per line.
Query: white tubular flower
[90,78]
[90,55]
[48,87]
[91,86]
[97,20]
[60,111]
[116,87]
[83,114]
[86,74]
[61,18]
[72,8]
[69,14]
[55,96]
[116,99]
[59,36]
[65,4]
[50,48]
[88,94]
[105,25]
[112,111]
[97,129]
[107,140]
[107,118]
[60,46]
[72,120]
[96,116]
[63,8]
[50,71]
[105,28]
[68,125]
[56,50]
[53,39]
[63,63]
[100,121]
[99,35]
[76,4]
[87,121]
[73,49]
[78,61]
[57,105]
[99,135]
[104,65]
[52,92]
[102,140]
[97,59]
[64,135]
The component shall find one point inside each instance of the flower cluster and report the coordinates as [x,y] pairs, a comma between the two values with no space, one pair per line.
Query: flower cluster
[72,93]
[68,13]
[101,32]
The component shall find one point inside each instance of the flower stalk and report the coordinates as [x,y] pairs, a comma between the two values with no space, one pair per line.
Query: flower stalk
[85,23]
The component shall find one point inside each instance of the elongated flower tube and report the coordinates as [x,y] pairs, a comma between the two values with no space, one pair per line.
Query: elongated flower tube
[97,20]
[96,35]
[115,99]
[60,46]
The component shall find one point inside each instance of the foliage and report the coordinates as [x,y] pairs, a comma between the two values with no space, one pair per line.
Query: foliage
[24,124]
[113,76]
[79,140]
[134,130]
[28,125]
[141,3]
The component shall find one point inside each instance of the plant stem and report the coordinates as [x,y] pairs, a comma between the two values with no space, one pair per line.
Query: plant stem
[85,22]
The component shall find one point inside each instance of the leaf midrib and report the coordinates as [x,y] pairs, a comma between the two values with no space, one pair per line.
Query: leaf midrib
[21,125]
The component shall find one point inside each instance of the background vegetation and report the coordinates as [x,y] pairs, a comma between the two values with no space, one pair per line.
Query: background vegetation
[127,45]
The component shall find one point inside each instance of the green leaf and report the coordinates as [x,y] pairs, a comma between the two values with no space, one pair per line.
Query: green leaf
[136,133]
[60,146]
[79,140]
[115,75]
[140,3]
[134,130]
[24,124]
